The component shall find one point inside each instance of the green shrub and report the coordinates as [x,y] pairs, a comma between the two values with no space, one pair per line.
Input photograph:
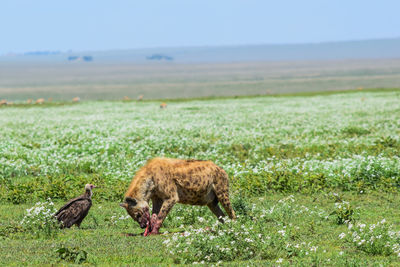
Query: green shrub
[61,187]
[10,229]
[240,205]
[72,254]
[344,212]
[355,131]
[387,141]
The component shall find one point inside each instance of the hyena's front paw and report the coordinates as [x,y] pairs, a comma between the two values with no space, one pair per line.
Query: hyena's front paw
[155,226]
[153,219]
[150,227]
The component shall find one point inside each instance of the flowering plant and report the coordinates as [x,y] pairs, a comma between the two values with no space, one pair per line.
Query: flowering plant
[259,235]
[40,218]
[376,239]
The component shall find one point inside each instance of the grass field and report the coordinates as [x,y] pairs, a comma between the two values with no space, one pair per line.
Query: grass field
[314,179]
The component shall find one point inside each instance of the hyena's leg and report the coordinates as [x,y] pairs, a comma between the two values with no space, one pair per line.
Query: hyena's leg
[157,203]
[165,208]
[216,209]
[221,188]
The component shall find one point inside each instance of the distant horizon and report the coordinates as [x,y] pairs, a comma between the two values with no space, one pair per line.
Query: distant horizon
[197,46]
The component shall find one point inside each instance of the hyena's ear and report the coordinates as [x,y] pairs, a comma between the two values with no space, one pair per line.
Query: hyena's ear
[130,201]
[124,205]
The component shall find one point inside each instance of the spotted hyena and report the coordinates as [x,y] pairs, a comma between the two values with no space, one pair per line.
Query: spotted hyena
[169,181]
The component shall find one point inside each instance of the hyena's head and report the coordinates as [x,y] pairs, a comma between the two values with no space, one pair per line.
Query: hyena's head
[138,210]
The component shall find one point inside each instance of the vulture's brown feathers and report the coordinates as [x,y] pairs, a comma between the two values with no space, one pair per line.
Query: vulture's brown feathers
[76,209]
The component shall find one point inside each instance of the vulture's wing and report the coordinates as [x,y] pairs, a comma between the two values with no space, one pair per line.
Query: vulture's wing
[75,212]
[69,203]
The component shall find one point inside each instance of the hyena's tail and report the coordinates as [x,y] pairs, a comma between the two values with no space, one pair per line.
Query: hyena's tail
[221,187]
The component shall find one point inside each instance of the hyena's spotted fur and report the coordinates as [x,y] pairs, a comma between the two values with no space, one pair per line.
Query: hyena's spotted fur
[169,181]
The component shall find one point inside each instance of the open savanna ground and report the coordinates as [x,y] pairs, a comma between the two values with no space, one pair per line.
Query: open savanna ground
[314,179]
[100,80]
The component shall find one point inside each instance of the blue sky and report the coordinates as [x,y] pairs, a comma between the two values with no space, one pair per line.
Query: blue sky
[27,25]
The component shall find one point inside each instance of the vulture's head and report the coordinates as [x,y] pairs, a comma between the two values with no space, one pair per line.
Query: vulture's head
[89,187]
[138,210]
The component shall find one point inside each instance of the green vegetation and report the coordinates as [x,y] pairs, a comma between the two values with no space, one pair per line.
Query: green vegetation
[300,230]
[314,179]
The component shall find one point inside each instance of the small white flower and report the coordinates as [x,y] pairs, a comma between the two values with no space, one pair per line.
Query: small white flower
[282,232]
[350,226]
[280,260]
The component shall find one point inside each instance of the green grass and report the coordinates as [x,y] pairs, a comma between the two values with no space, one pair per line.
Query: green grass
[271,147]
[117,244]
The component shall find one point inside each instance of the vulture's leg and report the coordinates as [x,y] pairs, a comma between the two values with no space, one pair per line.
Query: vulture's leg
[78,223]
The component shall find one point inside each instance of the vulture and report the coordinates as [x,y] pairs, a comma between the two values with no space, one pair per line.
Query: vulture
[76,209]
